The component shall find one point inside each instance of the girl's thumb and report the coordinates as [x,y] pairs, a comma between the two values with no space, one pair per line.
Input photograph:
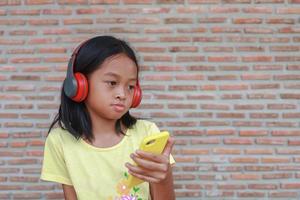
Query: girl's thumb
[168,148]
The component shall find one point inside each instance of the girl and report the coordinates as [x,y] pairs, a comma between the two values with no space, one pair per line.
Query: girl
[91,151]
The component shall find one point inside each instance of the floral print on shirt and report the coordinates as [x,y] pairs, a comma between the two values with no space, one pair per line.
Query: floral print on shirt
[124,192]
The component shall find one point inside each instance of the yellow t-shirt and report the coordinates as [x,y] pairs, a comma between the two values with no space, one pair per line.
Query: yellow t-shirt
[95,173]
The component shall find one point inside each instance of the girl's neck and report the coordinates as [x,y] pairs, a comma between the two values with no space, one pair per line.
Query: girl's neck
[103,127]
[104,133]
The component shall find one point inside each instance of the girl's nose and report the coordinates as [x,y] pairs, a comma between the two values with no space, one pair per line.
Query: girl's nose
[121,94]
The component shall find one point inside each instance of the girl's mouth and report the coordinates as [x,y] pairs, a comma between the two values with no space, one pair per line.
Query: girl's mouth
[118,107]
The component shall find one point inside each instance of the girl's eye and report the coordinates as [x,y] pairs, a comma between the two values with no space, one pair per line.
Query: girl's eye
[111,83]
[131,87]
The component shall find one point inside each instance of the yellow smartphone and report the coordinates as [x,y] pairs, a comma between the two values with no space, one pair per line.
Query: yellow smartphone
[154,144]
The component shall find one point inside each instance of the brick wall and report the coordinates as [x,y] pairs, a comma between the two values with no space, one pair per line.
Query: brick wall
[222,76]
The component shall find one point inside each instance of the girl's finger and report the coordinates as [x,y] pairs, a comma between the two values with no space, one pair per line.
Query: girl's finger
[169,146]
[153,157]
[144,177]
[147,173]
[150,165]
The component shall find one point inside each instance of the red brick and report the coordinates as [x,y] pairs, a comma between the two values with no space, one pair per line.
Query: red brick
[267,67]
[258,168]
[205,141]
[259,151]
[250,49]
[24,179]
[248,123]
[212,20]
[247,21]
[228,168]
[237,1]
[256,58]
[207,39]
[290,186]
[194,151]
[288,151]
[230,115]
[260,9]
[225,30]
[220,132]
[182,87]
[243,160]
[275,160]
[274,40]
[280,21]
[157,78]
[288,10]
[231,187]
[10,187]
[271,141]
[277,176]
[182,106]
[238,141]
[281,124]
[226,151]
[203,1]
[157,58]
[18,144]
[283,194]
[269,1]
[181,124]
[253,133]
[263,186]
[249,107]
[25,161]
[264,115]
[151,49]
[18,124]
[188,133]
[214,123]
[250,194]
[64,11]
[188,194]
[208,87]
[222,77]
[245,176]
[282,106]
[294,142]
[221,9]
[258,30]
[288,168]
[234,87]
[200,97]
[163,115]
[38,2]
[231,96]
[189,58]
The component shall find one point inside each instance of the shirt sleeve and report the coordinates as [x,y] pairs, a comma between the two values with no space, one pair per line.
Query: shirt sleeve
[153,129]
[54,166]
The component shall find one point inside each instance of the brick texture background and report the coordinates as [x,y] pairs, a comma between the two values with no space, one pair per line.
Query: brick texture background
[223,76]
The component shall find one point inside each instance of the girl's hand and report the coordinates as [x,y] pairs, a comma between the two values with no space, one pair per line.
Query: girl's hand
[152,168]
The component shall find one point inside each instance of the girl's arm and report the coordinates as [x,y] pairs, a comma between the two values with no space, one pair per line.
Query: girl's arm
[165,189]
[69,192]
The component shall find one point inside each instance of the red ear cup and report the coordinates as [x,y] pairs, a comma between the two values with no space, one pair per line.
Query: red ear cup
[82,87]
[137,96]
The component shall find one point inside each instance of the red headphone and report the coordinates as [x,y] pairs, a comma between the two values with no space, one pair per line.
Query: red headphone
[76,84]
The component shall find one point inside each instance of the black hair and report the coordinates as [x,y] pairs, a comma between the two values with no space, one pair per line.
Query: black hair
[73,116]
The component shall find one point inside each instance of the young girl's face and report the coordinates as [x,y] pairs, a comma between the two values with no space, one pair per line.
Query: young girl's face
[111,87]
